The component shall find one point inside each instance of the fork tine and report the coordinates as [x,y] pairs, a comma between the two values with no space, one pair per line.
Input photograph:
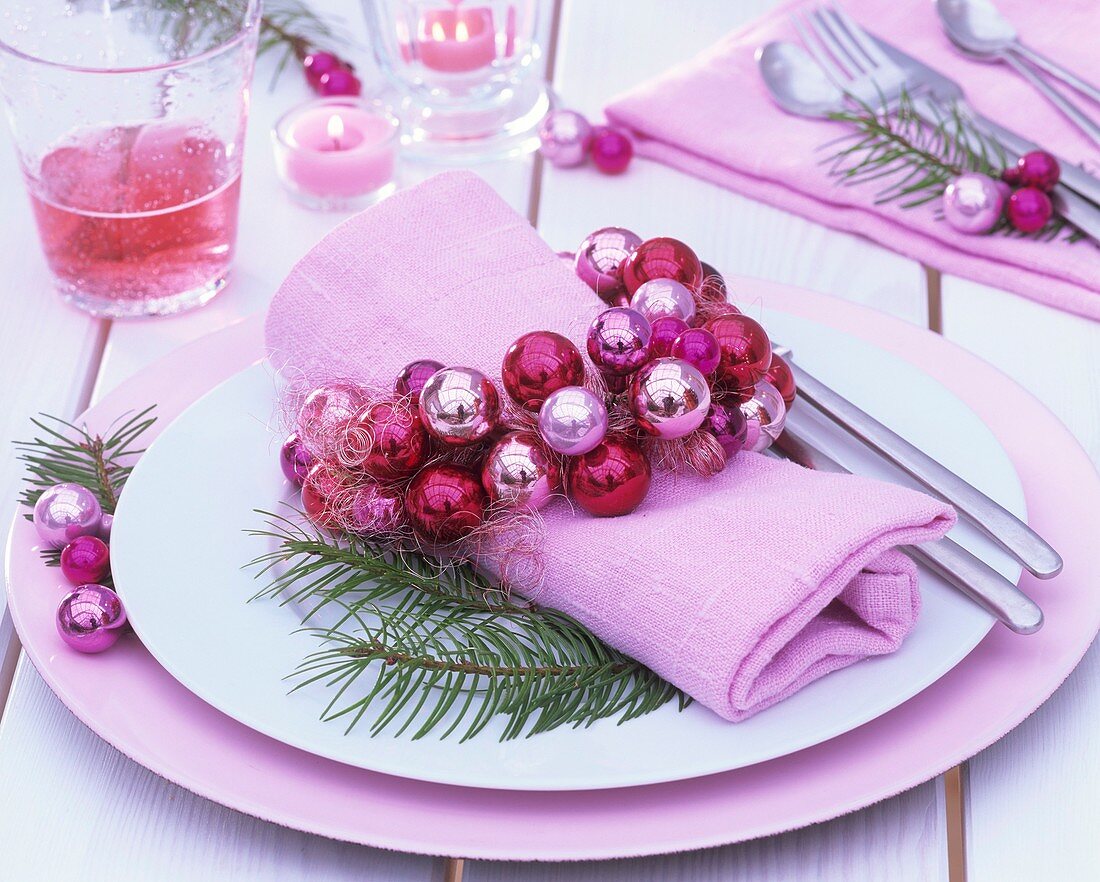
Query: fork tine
[830,30]
[818,52]
[862,39]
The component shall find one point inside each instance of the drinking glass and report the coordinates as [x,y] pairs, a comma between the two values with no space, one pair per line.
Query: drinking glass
[128,119]
[465,74]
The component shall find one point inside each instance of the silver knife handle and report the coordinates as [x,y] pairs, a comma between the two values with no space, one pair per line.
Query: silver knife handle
[1066,107]
[1053,68]
[1003,527]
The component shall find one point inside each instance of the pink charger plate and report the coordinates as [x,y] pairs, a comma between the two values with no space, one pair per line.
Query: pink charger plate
[167,729]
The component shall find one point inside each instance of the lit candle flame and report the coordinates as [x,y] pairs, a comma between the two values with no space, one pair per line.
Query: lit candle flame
[438,34]
[462,33]
[335,129]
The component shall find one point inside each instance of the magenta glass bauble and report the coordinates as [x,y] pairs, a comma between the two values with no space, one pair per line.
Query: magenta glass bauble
[294,460]
[669,398]
[445,502]
[779,375]
[726,422]
[972,203]
[414,375]
[373,510]
[519,472]
[91,618]
[324,495]
[65,511]
[765,414]
[665,331]
[325,416]
[564,138]
[713,287]
[86,559]
[1029,209]
[317,64]
[610,480]
[572,420]
[660,297]
[1037,168]
[459,406]
[387,441]
[746,351]
[662,258]
[611,150]
[618,340]
[599,261]
[537,364]
[699,347]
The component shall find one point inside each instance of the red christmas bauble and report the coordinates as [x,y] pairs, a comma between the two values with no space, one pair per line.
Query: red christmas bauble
[388,441]
[1037,168]
[746,351]
[324,493]
[414,375]
[611,479]
[662,258]
[445,502]
[779,375]
[1029,209]
[539,363]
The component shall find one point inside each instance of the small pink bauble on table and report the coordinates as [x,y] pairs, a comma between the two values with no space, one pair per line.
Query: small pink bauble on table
[564,138]
[618,341]
[599,260]
[1029,209]
[669,398]
[86,559]
[445,502]
[662,258]
[294,460]
[746,351]
[414,375]
[699,347]
[611,150]
[537,364]
[572,420]
[665,331]
[610,480]
[972,203]
[518,471]
[65,511]
[1037,168]
[661,297]
[91,618]
[459,406]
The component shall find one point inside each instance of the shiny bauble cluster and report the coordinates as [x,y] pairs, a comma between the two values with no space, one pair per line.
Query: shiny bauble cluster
[567,139]
[69,518]
[976,203]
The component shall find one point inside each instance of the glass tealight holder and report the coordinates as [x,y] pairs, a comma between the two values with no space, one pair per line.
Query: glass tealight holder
[465,77]
[337,154]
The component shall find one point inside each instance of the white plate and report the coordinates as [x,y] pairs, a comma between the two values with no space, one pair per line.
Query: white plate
[178,546]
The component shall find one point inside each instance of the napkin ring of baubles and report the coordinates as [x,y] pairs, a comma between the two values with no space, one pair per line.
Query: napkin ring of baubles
[676,377]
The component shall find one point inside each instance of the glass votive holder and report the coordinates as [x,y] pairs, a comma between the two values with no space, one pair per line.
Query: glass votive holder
[337,154]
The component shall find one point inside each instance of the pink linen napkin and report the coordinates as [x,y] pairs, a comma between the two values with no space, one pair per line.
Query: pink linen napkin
[741,588]
[712,117]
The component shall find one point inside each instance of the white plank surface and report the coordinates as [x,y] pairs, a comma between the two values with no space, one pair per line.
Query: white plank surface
[1035,795]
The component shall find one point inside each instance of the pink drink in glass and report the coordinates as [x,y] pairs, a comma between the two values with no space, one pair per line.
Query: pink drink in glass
[138,220]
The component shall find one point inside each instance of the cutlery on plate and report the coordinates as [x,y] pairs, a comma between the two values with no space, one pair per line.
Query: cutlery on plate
[962,570]
[977,27]
[999,524]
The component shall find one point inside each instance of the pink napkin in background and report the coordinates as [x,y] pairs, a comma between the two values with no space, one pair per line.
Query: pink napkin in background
[712,117]
[741,588]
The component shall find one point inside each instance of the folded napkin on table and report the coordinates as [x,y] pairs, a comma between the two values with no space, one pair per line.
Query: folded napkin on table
[740,588]
[713,118]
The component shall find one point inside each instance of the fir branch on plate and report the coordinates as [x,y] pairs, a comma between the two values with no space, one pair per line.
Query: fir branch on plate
[913,161]
[437,646]
[62,452]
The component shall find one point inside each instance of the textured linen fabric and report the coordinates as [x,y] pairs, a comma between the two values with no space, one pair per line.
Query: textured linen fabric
[739,588]
[712,117]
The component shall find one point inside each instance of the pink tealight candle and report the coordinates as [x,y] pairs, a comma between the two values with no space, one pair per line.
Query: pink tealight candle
[336,153]
[457,40]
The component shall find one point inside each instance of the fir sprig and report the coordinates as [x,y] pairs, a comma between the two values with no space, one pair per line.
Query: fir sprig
[435,645]
[913,160]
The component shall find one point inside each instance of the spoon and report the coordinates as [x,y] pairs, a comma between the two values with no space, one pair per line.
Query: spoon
[982,33]
[796,82]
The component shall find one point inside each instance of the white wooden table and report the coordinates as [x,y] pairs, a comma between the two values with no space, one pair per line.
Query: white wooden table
[73,807]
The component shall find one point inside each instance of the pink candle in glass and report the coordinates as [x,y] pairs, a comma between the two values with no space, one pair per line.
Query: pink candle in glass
[457,40]
[336,152]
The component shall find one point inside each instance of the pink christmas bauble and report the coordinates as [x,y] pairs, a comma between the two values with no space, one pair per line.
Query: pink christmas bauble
[572,420]
[599,261]
[618,340]
[537,364]
[564,138]
[519,472]
[325,416]
[374,510]
[726,422]
[765,414]
[294,460]
[324,495]
[459,406]
[1029,209]
[610,480]
[1038,168]
[86,559]
[699,347]
[91,618]
[414,375]
[65,511]
[388,440]
[779,375]
[662,258]
[665,331]
[445,502]
[746,351]
[972,203]
[660,297]
[669,398]
[611,150]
